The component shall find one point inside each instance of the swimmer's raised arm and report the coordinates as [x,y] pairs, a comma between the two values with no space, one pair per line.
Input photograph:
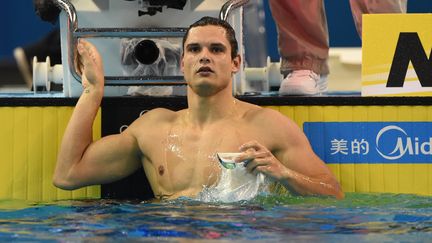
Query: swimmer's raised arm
[81,161]
[292,161]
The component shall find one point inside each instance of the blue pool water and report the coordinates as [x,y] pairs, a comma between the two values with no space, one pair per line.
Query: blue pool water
[358,218]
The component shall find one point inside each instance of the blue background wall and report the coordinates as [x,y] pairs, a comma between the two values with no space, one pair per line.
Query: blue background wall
[21,26]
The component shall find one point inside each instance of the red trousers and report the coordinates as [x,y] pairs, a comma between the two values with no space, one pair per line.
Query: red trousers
[303,37]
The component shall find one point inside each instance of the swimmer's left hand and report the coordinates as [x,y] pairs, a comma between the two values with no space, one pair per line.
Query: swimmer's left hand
[261,160]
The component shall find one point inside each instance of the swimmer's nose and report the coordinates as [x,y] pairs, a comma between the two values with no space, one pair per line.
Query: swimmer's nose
[204,60]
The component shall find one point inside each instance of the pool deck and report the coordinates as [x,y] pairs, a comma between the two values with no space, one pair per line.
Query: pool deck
[333,99]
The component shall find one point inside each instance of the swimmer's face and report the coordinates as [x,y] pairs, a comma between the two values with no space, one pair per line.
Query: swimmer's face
[206,62]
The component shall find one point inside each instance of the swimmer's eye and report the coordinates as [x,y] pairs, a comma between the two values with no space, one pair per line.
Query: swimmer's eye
[193,48]
[217,49]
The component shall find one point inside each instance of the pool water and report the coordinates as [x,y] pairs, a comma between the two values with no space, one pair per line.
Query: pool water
[358,218]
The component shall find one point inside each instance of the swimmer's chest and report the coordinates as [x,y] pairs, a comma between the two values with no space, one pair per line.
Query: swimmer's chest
[188,157]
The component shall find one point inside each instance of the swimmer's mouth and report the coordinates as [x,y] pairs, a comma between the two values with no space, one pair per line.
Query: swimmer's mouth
[205,70]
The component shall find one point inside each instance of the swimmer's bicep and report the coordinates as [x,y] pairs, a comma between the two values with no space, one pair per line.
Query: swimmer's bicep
[110,158]
[297,154]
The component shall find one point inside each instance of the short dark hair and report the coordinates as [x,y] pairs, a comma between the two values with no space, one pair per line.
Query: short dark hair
[230,33]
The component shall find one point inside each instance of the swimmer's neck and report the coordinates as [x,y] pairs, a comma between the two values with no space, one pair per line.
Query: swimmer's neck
[203,110]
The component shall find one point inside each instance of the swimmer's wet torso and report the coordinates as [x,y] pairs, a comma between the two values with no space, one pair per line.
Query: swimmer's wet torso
[181,158]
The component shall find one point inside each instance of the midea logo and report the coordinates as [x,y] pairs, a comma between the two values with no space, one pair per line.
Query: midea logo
[404,144]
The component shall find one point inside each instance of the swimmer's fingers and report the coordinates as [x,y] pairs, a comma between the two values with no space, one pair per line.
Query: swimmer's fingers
[88,54]
[252,145]
[77,61]
[251,154]
[90,63]
[266,163]
[251,150]
[254,164]
[260,160]
[264,169]
[257,159]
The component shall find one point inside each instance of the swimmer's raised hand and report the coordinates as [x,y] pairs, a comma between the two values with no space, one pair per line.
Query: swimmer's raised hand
[89,65]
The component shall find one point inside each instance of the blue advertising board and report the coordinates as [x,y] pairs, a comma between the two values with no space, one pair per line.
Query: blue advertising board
[371,142]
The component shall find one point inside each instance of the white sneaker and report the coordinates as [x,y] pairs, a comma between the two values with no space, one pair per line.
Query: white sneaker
[303,82]
[322,83]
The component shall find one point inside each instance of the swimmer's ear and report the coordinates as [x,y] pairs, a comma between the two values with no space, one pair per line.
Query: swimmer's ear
[236,63]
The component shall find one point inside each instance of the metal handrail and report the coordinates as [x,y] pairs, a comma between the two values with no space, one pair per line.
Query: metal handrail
[128,32]
[229,6]
[72,24]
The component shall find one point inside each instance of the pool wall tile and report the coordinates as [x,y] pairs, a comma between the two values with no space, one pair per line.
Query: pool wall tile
[29,140]
[30,137]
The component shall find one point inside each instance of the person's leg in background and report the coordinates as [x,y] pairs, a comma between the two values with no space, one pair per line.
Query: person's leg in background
[359,7]
[303,45]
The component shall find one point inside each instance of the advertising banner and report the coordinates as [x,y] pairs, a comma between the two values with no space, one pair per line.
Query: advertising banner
[396,55]
[371,142]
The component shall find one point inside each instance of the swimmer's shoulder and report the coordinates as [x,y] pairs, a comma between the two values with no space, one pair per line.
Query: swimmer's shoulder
[265,117]
[253,112]
[156,117]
